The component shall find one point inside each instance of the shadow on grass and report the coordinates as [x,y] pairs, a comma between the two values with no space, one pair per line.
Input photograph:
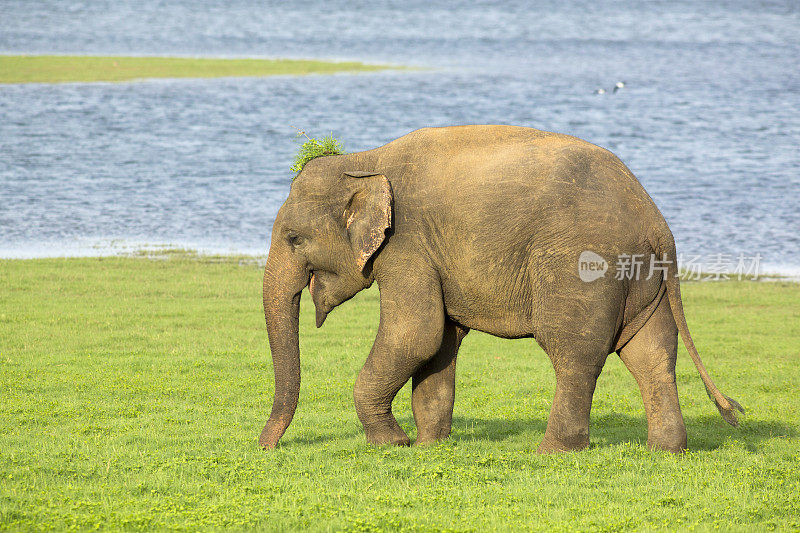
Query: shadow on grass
[707,432]
[495,429]
[320,438]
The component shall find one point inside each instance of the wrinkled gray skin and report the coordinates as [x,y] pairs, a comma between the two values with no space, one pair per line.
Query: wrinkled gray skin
[480,227]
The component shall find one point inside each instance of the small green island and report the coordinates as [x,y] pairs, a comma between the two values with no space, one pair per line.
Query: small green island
[59,69]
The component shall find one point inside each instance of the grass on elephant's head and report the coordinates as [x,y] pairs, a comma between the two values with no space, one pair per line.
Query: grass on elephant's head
[134,390]
[313,148]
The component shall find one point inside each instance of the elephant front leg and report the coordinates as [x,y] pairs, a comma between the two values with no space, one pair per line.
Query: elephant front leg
[409,335]
[434,388]
[373,395]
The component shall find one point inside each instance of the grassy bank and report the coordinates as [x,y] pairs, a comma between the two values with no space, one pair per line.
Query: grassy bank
[53,69]
[134,390]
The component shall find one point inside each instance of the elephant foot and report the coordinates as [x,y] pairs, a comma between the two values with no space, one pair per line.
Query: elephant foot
[677,449]
[387,436]
[426,439]
[673,441]
[552,445]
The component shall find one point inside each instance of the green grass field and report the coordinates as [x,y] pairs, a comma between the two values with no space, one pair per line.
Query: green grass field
[54,69]
[134,390]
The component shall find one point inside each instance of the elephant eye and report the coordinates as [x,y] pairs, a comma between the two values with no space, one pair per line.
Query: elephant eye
[295,239]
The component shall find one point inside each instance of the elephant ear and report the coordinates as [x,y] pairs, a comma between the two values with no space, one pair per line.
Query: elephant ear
[368,213]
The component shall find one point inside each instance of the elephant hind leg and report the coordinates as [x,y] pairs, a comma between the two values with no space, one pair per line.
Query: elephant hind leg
[578,347]
[568,424]
[434,388]
[650,356]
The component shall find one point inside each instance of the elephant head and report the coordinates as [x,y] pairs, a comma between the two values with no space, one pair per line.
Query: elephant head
[324,237]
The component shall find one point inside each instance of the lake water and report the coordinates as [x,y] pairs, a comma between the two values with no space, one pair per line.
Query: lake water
[709,118]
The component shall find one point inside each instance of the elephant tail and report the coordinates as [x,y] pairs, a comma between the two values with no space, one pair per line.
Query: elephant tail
[727,406]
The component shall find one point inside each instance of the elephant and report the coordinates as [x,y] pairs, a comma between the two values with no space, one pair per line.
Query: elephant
[481,227]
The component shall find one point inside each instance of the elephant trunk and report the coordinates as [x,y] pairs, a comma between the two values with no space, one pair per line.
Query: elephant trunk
[284,280]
